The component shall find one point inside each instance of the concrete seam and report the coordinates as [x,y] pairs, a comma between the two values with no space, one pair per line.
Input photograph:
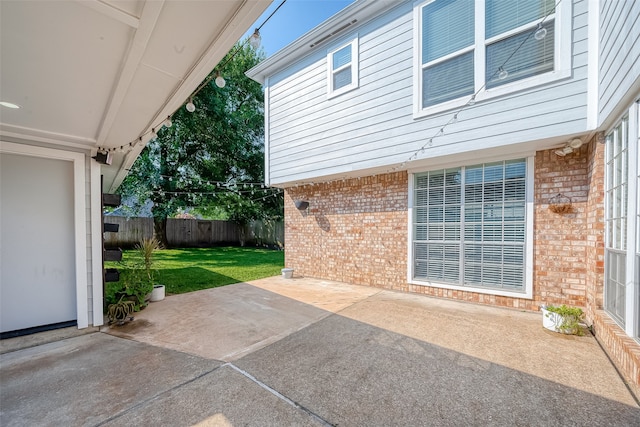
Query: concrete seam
[358,302]
[144,402]
[618,371]
[281,396]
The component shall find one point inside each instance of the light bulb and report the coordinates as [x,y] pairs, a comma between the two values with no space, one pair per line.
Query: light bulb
[455,118]
[502,73]
[255,39]
[540,33]
[472,101]
[220,80]
[168,123]
[560,153]
[190,107]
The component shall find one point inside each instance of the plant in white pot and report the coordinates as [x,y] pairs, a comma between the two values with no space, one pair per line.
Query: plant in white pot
[562,319]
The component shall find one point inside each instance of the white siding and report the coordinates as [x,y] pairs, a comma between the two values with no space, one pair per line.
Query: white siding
[619,54]
[373,126]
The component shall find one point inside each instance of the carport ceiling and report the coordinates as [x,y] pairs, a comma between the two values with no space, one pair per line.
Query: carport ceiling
[100,73]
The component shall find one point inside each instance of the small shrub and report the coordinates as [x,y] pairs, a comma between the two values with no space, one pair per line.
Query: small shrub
[570,318]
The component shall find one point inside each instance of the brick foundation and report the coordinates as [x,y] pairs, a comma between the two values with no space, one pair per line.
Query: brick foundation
[356,231]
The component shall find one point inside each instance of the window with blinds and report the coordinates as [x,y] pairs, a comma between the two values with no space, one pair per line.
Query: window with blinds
[510,44]
[464,44]
[343,68]
[447,50]
[469,226]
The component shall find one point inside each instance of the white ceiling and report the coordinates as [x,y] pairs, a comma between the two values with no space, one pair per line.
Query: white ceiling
[100,73]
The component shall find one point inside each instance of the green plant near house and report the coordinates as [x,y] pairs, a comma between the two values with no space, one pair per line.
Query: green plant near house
[569,318]
[135,286]
[146,249]
[136,276]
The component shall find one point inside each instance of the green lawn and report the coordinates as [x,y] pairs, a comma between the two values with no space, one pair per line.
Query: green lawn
[188,270]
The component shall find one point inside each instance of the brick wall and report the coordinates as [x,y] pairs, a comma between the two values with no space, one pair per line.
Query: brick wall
[353,231]
[560,243]
[356,231]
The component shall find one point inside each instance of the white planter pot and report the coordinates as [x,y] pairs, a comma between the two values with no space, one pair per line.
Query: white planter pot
[287,273]
[551,320]
[158,293]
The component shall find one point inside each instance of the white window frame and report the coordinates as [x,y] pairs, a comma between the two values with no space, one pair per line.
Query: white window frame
[528,246]
[562,58]
[632,286]
[354,64]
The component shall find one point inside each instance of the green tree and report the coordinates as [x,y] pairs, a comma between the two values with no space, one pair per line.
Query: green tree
[211,158]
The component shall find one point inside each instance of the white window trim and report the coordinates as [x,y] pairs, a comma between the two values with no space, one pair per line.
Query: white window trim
[562,59]
[632,289]
[80,223]
[331,93]
[528,268]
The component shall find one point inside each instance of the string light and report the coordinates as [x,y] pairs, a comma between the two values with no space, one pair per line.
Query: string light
[539,34]
[255,39]
[190,106]
[220,82]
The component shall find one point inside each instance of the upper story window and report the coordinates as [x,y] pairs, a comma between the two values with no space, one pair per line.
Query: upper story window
[488,47]
[343,68]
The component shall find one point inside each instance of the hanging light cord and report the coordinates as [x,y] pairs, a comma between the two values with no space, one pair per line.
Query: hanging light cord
[234,53]
[138,140]
[471,101]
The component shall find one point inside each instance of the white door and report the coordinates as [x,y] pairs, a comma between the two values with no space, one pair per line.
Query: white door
[37,249]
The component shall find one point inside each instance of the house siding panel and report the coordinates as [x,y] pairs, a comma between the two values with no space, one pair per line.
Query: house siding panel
[373,126]
[619,67]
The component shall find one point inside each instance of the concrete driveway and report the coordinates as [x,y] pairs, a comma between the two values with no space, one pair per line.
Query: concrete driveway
[280,352]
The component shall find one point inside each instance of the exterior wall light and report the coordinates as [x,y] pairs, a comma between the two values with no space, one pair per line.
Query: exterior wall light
[104,158]
[301,204]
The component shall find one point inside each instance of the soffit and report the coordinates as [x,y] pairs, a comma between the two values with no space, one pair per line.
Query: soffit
[91,73]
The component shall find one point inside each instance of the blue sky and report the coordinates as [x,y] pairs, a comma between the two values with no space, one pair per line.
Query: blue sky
[293,19]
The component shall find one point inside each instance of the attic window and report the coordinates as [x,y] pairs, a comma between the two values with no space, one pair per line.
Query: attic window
[342,73]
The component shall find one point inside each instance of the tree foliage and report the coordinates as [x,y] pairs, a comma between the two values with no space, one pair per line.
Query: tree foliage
[211,160]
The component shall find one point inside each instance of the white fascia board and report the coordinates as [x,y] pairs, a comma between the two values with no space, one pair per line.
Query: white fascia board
[361,11]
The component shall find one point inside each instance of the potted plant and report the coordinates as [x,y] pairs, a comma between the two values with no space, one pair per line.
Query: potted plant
[146,250]
[562,319]
[120,311]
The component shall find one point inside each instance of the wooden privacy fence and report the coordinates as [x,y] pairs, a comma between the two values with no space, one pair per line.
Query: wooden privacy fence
[196,232]
[130,232]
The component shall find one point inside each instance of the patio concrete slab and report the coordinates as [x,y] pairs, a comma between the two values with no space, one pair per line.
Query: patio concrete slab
[228,322]
[86,380]
[305,352]
[355,374]
[324,294]
[223,398]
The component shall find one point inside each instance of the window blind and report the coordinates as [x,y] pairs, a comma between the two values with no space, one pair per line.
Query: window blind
[470,225]
[447,26]
[505,15]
